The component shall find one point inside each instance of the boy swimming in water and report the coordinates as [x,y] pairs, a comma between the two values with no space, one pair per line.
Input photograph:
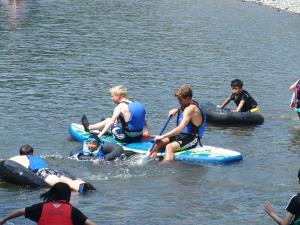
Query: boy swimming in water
[242,99]
[98,151]
[38,165]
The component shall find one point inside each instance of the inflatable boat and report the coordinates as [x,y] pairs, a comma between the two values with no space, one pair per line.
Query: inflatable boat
[204,154]
[225,116]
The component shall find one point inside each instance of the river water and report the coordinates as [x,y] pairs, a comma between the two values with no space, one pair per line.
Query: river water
[58,60]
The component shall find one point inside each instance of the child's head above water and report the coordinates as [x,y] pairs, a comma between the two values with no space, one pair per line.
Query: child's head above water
[93,142]
[26,150]
[236,86]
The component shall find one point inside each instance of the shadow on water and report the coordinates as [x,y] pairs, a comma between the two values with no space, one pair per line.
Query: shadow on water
[233,130]
[190,173]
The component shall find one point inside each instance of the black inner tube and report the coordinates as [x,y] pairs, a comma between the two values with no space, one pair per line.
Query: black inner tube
[13,172]
[225,116]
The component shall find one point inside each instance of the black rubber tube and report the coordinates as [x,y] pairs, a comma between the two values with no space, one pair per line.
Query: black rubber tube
[224,116]
[13,172]
[112,151]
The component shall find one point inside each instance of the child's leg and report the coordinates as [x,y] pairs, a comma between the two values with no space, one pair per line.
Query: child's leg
[100,125]
[170,149]
[74,184]
[160,144]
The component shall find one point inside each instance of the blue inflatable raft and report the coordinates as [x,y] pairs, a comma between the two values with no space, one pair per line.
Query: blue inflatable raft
[205,154]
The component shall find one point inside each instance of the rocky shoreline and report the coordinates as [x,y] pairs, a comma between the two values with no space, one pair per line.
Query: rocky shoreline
[287,5]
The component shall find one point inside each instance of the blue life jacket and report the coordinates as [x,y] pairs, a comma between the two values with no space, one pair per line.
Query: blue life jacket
[86,152]
[36,162]
[191,128]
[136,122]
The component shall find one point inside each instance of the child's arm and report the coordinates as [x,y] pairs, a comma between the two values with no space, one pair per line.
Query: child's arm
[294,85]
[111,121]
[240,106]
[292,105]
[281,221]
[89,222]
[16,213]
[100,156]
[227,100]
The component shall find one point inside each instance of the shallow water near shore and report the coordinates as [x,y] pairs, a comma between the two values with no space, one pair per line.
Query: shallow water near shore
[58,60]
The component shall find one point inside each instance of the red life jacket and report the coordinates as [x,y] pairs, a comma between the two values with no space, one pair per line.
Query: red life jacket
[56,213]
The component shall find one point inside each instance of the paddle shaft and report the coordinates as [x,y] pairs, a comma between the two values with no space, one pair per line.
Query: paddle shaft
[161,131]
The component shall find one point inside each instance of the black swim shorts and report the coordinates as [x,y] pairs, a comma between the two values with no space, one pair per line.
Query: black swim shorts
[186,141]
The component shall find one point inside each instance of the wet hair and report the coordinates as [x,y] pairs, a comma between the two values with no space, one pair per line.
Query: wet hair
[184,91]
[119,90]
[26,150]
[94,136]
[59,191]
[237,83]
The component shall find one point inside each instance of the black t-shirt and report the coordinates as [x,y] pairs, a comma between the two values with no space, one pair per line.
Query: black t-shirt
[250,103]
[294,205]
[34,213]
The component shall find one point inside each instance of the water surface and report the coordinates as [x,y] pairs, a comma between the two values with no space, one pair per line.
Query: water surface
[58,60]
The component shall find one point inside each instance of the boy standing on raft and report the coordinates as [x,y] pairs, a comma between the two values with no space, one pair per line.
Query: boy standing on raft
[242,99]
[128,120]
[190,126]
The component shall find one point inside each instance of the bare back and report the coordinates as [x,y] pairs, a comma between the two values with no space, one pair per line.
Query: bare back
[196,115]
[124,110]
[21,159]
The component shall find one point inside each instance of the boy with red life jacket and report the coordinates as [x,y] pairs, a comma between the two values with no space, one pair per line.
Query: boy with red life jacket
[55,209]
[190,126]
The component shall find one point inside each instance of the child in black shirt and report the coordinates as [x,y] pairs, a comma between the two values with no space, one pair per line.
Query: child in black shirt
[242,98]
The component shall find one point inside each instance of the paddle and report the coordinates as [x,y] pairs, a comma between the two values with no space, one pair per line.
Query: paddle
[142,159]
[160,133]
